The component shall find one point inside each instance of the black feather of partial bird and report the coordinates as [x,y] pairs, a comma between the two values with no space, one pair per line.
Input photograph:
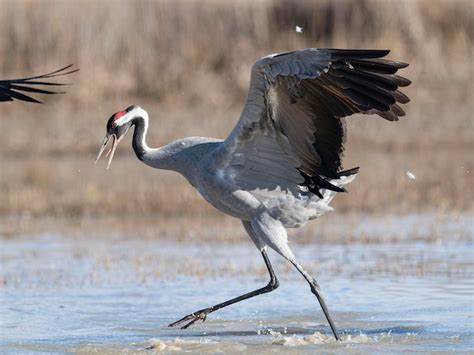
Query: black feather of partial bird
[13,89]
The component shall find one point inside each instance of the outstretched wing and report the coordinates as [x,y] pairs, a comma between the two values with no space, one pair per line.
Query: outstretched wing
[16,88]
[291,131]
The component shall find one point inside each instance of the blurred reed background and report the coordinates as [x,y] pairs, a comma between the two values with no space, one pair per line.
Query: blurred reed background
[188,64]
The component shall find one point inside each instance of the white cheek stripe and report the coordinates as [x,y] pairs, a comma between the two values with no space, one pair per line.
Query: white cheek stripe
[137,112]
[124,119]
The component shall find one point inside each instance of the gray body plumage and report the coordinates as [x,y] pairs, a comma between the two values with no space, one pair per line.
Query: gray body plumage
[228,187]
[281,164]
[291,131]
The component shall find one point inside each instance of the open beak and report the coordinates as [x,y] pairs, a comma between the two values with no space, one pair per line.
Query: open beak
[110,153]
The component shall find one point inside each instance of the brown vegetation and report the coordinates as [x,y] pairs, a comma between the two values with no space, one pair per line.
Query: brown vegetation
[188,63]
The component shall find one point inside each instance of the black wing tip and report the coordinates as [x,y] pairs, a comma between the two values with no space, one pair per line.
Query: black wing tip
[400,65]
[13,88]
[22,97]
[59,72]
[358,53]
[405,82]
[315,183]
[349,172]
[370,82]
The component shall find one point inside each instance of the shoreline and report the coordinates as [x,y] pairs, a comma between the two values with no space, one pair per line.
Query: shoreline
[335,227]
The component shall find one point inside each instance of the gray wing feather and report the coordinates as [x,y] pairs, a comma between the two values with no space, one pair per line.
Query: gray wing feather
[292,129]
[262,163]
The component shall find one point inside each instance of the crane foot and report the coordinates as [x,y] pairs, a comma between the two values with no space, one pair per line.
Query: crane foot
[200,315]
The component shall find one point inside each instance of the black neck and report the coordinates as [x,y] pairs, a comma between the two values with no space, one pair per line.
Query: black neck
[139,136]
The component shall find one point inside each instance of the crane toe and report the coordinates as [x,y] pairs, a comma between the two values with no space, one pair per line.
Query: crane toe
[192,318]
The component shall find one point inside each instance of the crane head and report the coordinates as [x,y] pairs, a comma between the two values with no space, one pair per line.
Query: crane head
[117,126]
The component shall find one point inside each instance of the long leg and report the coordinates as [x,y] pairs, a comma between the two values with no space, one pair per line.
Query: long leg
[273,234]
[317,292]
[202,314]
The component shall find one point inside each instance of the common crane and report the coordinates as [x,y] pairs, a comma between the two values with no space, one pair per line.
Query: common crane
[281,164]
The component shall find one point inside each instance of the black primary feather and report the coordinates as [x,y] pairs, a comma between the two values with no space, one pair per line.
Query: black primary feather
[15,88]
[355,81]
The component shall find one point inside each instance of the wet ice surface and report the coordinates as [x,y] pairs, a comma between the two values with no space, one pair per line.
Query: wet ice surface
[111,295]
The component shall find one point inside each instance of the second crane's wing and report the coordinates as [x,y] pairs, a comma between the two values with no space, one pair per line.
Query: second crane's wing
[20,89]
[291,131]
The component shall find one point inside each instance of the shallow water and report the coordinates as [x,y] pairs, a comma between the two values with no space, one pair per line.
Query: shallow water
[118,295]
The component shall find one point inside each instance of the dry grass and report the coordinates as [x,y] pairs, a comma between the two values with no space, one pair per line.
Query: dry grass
[188,64]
